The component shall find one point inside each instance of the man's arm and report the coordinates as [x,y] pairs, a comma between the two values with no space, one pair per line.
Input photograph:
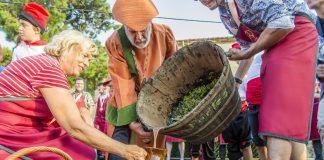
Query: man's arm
[268,38]
[170,42]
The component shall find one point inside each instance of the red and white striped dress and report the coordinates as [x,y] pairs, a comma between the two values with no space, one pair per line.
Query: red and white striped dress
[23,77]
[24,123]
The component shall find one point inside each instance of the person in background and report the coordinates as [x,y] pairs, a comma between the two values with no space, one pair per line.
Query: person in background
[222,147]
[35,89]
[82,98]
[181,145]
[285,31]
[318,6]
[100,121]
[314,134]
[19,41]
[32,24]
[204,151]
[135,52]
[238,134]
[254,99]
[319,107]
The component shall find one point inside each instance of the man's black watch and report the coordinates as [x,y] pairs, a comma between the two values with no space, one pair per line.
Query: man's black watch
[237,80]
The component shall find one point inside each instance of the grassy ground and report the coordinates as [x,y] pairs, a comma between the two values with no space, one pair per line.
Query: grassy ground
[233,64]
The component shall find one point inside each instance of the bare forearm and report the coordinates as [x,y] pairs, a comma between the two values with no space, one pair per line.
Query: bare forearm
[97,139]
[68,116]
[243,68]
[268,38]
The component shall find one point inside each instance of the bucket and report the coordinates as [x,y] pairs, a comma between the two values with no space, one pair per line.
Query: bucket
[175,78]
[155,153]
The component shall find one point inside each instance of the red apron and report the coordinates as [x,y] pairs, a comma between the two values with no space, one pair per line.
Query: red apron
[100,118]
[288,77]
[25,124]
[80,102]
[287,74]
[244,32]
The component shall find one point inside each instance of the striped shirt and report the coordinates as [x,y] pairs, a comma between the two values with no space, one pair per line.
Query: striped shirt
[23,77]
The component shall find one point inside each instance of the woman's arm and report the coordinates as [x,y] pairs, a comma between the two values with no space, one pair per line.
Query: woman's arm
[268,38]
[66,113]
[86,116]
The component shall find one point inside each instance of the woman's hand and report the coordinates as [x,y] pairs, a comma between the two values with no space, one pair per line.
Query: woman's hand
[133,152]
[236,54]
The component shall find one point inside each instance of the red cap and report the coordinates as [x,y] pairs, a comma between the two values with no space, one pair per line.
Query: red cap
[35,14]
[236,45]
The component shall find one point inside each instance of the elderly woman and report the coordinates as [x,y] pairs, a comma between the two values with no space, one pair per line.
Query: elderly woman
[34,90]
[284,30]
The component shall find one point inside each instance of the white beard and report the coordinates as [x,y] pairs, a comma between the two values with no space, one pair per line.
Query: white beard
[148,35]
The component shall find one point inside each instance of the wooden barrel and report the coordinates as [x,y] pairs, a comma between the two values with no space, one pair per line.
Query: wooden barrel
[171,82]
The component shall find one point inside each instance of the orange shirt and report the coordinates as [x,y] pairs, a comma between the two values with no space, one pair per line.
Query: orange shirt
[121,110]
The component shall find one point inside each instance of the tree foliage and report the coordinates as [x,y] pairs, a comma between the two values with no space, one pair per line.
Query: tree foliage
[6,53]
[88,16]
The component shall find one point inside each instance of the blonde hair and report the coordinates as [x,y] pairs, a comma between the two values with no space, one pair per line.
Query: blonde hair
[68,39]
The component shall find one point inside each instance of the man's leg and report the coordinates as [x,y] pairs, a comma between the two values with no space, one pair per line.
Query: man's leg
[121,134]
[299,151]
[169,149]
[262,152]
[278,149]
[222,151]
[320,119]
[195,151]
[181,146]
[247,153]
[234,151]
[318,149]
[208,150]
[244,133]
[253,119]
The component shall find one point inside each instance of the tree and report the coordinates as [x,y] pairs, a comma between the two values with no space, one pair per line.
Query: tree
[88,16]
[6,53]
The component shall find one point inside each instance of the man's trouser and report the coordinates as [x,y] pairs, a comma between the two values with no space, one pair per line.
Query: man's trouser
[206,150]
[121,134]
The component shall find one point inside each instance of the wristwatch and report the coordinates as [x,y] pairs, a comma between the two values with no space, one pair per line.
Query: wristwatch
[237,80]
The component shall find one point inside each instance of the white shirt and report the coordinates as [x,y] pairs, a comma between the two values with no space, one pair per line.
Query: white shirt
[24,50]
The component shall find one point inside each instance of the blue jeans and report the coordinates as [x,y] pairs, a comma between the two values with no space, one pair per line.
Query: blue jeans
[254,124]
[121,134]
[222,151]
[205,150]
[318,148]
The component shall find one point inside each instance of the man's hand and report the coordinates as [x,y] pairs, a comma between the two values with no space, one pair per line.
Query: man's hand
[320,72]
[318,5]
[236,54]
[138,129]
[314,4]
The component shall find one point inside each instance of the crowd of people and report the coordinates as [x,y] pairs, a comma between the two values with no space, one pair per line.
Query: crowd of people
[280,54]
